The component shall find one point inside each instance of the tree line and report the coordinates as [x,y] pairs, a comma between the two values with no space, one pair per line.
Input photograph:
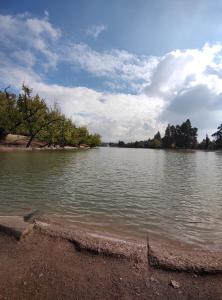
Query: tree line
[180,136]
[29,115]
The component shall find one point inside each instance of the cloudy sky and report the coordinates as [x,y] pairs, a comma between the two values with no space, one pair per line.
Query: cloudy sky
[124,68]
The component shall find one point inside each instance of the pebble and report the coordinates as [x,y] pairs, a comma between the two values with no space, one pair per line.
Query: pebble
[175,284]
[153,279]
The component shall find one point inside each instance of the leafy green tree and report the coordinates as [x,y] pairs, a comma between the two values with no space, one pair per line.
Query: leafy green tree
[10,117]
[30,115]
[94,140]
[181,136]
[169,138]
[35,114]
[186,135]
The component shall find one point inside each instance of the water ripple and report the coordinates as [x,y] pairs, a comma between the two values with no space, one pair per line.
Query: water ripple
[129,191]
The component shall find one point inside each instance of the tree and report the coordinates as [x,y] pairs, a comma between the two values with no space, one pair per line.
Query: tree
[187,135]
[29,115]
[35,114]
[94,140]
[207,142]
[169,139]
[121,144]
[218,136]
[181,136]
[157,136]
[10,117]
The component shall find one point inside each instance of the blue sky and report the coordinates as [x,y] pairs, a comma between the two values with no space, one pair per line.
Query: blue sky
[123,68]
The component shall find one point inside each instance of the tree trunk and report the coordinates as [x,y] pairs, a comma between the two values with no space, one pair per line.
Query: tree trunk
[30,141]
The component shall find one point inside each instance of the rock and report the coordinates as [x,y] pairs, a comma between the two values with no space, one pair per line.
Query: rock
[175,284]
[40,275]
[153,279]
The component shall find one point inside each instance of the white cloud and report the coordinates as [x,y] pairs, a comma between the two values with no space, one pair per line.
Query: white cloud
[127,69]
[114,116]
[46,14]
[190,84]
[181,84]
[24,33]
[95,30]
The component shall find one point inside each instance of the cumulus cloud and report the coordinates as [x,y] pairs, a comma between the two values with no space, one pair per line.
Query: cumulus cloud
[95,30]
[141,93]
[189,81]
[125,69]
[31,35]
[114,116]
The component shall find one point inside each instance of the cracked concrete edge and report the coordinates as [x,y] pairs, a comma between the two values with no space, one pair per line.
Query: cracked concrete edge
[157,253]
[96,243]
[160,254]
[183,258]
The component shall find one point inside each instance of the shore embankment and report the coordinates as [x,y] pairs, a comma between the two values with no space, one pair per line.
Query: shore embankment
[40,260]
[15,142]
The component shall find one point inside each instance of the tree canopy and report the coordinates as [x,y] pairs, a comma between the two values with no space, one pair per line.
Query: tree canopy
[218,136]
[29,115]
[179,136]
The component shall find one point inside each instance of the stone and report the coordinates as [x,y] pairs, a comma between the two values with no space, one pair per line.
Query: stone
[175,284]
[153,279]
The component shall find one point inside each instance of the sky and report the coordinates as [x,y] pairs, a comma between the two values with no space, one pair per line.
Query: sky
[123,68]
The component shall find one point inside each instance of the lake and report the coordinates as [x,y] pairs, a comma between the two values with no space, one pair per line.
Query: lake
[175,194]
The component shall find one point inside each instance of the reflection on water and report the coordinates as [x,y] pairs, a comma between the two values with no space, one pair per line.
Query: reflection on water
[130,191]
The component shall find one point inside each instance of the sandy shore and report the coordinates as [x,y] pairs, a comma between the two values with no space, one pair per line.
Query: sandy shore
[48,261]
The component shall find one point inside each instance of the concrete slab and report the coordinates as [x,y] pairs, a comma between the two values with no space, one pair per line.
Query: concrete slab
[84,240]
[15,226]
[182,257]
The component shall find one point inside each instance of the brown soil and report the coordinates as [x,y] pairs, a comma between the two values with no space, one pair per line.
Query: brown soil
[40,266]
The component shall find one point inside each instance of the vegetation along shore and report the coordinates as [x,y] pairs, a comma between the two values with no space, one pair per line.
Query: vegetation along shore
[27,121]
[182,136]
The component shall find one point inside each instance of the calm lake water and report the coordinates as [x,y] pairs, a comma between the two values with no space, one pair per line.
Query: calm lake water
[129,191]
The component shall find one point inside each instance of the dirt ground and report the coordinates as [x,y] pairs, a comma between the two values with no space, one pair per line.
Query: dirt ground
[44,267]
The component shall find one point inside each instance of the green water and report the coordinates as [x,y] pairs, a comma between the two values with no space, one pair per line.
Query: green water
[174,194]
